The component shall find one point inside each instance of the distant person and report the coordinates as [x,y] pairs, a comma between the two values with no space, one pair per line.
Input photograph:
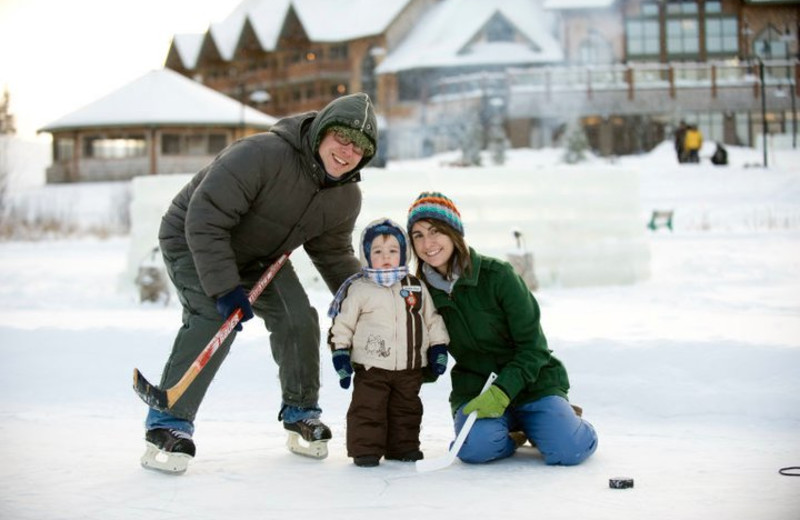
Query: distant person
[385,328]
[680,137]
[266,194]
[692,143]
[494,325]
[720,157]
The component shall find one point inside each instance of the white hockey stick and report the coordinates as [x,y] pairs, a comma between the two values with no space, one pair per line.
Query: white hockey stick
[450,457]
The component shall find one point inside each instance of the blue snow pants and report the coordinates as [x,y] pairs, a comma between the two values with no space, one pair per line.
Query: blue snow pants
[550,423]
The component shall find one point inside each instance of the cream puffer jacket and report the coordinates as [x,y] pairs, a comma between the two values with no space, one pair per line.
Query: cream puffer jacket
[387,327]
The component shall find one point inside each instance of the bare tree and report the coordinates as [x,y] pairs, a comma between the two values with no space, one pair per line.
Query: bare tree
[7,129]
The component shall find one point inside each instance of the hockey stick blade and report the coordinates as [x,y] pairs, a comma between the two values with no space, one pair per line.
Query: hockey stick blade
[150,394]
[447,459]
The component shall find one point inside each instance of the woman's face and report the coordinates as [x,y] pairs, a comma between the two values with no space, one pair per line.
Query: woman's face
[431,245]
[339,155]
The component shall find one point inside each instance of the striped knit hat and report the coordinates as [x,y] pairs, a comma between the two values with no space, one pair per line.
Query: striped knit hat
[434,205]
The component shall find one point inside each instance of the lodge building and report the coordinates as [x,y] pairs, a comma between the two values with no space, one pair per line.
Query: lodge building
[627,70]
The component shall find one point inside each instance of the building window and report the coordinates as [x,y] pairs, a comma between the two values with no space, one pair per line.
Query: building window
[64,149]
[650,9]
[722,35]
[683,29]
[114,147]
[643,33]
[499,30]
[682,7]
[642,37]
[368,81]
[769,45]
[196,144]
[338,52]
[594,49]
[683,37]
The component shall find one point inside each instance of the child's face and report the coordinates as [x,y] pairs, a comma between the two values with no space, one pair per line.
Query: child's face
[431,245]
[384,252]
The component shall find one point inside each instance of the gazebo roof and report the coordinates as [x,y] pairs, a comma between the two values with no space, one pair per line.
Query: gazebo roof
[162,98]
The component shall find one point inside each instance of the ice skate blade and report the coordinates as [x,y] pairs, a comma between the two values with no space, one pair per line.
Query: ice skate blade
[158,460]
[299,446]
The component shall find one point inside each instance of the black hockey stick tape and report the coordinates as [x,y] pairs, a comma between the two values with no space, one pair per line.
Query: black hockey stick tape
[620,483]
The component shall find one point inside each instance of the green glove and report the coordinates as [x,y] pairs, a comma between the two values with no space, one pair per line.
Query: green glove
[491,403]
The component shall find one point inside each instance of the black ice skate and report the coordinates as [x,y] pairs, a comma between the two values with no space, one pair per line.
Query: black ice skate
[308,437]
[168,450]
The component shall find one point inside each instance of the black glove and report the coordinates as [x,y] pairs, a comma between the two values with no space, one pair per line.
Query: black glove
[341,362]
[236,299]
[437,359]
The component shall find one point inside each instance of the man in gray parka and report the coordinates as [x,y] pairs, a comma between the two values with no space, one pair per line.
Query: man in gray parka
[264,195]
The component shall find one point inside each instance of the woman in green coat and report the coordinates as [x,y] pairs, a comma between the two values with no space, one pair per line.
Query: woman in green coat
[493,322]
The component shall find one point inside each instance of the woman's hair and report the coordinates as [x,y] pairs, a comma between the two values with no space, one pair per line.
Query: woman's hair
[461,251]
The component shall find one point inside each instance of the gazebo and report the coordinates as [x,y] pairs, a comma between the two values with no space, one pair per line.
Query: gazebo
[161,123]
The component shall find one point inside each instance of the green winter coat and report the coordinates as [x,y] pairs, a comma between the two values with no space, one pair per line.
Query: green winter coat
[269,193]
[493,322]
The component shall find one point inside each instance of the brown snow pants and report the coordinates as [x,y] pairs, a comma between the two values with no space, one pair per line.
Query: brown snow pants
[385,412]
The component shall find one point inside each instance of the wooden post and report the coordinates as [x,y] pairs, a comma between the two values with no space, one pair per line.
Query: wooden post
[714,81]
[629,80]
[153,152]
[671,77]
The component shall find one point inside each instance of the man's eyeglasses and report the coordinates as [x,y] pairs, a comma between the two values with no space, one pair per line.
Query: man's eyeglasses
[344,141]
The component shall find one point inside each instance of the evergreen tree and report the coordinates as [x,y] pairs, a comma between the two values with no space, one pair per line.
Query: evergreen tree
[7,126]
[576,144]
[7,130]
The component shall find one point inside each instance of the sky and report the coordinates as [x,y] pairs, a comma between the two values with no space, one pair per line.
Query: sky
[688,376]
[57,56]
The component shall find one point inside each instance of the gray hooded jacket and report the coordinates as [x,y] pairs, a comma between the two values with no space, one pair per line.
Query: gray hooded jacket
[269,193]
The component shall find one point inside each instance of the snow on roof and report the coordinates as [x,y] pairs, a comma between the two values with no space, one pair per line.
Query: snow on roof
[577,4]
[443,35]
[267,19]
[225,34]
[162,97]
[323,21]
[341,20]
[188,47]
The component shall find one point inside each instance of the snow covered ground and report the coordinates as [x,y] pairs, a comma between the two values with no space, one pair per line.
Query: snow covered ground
[691,379]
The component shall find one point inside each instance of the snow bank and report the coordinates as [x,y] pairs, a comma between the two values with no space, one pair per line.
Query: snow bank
[582,225]
[150,198]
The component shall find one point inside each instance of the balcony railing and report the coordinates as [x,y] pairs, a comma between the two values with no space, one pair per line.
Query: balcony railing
[636,76]
[631,79]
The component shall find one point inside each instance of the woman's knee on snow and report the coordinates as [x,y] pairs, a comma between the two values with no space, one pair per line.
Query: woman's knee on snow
[572,450]
[487,441]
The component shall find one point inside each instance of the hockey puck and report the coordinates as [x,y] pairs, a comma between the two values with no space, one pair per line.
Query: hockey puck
[620,483]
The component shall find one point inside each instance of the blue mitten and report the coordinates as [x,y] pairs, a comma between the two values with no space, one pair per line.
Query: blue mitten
[236,299]
[437,359]
[341,362]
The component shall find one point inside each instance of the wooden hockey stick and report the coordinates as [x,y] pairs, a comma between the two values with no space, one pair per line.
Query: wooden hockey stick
[164,399]
[450,457]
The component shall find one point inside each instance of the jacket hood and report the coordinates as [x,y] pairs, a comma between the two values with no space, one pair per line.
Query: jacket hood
[290,128]
[379,227]
[352,111]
